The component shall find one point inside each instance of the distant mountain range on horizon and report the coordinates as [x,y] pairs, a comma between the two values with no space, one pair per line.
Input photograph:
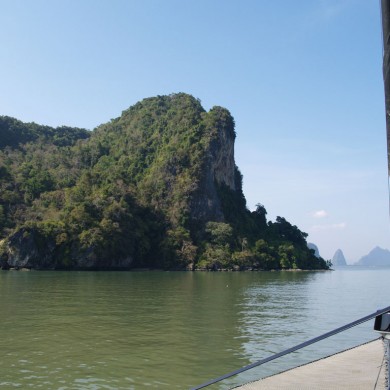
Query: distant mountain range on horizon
[376,257]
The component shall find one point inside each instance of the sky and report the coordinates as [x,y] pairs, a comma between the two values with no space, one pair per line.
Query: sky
[303,80]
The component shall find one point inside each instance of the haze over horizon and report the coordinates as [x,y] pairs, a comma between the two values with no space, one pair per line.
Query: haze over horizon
[302,80]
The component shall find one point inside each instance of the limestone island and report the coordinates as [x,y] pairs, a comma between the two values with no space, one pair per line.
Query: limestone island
[155,188]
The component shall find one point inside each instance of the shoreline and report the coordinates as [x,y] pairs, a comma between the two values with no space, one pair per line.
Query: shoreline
[24,269]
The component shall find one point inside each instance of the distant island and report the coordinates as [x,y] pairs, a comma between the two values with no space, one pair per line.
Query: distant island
[314,247]
[377,257]
[339,259]
[157,187]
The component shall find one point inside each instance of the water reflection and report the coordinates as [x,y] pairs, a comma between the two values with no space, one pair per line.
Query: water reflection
[278,315]
[125,330]
[169,330]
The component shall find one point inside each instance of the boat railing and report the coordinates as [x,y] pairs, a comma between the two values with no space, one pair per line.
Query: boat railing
[295,348]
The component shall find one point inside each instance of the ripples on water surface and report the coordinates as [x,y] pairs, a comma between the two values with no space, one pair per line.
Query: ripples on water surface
[167,330]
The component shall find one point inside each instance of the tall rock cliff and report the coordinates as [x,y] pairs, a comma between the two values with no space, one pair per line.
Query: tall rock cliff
[178,153]
[222,164]
[218,168]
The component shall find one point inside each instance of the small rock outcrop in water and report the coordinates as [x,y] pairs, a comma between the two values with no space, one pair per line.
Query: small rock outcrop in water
[377,257]
[338,258]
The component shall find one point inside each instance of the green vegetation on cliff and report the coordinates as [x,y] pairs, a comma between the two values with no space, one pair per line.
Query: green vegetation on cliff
[157,187]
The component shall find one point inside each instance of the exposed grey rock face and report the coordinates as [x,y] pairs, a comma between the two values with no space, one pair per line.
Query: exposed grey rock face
[338,258]
[219,169]
[310,245]
[24,249]
[24,252]
[222,155]
[378,257]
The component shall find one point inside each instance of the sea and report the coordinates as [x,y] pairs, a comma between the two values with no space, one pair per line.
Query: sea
[175,330]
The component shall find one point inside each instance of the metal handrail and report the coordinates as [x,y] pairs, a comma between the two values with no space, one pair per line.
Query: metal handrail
[293,349]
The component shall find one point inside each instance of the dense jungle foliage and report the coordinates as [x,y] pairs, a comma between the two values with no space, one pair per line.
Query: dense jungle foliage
[130,194]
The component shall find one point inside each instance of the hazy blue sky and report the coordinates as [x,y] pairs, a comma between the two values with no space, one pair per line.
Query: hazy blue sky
[302,79]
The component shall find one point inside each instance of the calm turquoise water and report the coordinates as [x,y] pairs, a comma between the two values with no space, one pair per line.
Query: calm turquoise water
[173,330]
